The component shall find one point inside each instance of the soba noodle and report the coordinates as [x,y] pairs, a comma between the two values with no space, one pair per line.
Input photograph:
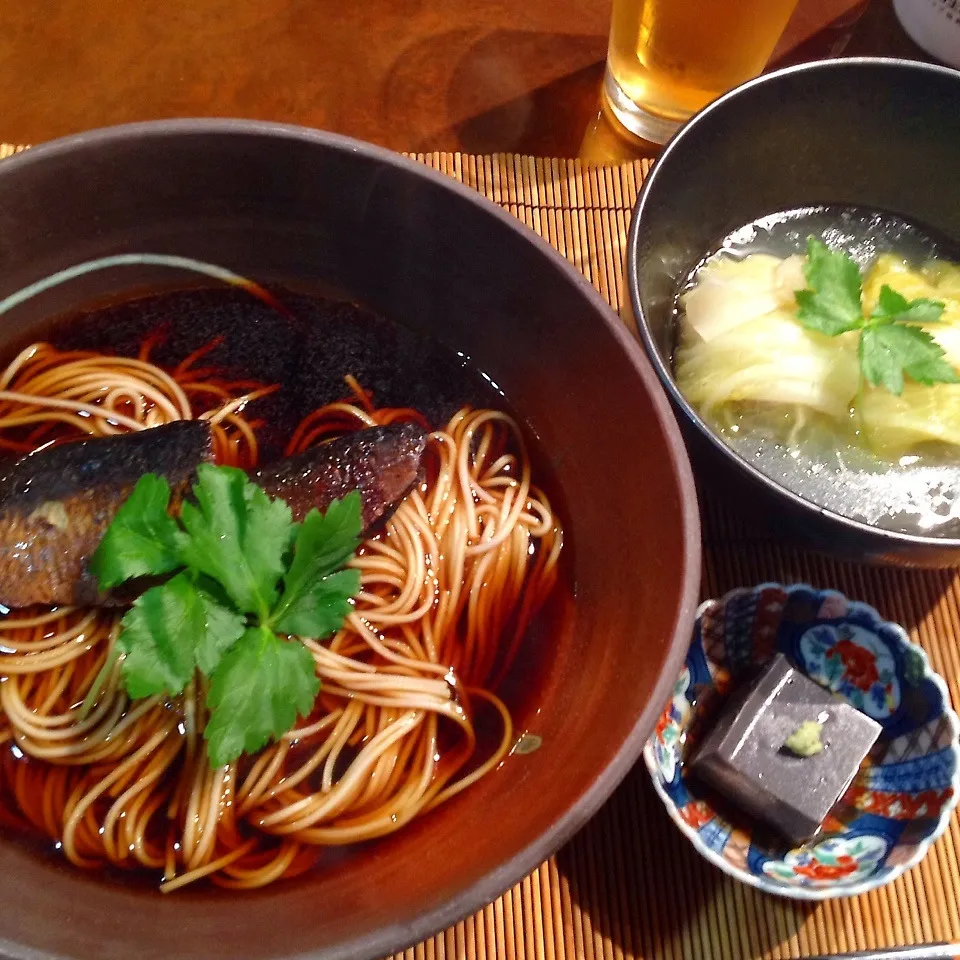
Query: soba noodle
[447,591]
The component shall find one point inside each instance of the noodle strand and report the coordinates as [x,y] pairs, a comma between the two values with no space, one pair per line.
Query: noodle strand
[448,588]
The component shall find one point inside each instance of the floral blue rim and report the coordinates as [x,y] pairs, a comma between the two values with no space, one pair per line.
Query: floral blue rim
[901,800]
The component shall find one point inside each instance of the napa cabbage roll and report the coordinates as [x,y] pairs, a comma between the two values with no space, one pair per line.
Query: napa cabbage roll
[922,414]
[741,342]
[743,349]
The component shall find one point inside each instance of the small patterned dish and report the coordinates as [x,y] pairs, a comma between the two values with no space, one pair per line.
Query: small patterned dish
[901,799]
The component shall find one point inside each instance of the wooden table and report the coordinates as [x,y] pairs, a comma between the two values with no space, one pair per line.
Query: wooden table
[500,75]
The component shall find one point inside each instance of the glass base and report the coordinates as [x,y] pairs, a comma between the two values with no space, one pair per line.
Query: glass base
[647,126]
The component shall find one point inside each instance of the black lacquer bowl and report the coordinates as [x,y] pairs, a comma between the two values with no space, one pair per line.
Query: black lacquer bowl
[881,134]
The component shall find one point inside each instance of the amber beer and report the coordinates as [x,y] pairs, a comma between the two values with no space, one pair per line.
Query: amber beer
[669,58]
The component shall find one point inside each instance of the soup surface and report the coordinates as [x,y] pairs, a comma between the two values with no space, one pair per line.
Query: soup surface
[797,403]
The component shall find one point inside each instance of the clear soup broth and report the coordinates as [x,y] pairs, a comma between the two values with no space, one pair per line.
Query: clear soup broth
[826,460]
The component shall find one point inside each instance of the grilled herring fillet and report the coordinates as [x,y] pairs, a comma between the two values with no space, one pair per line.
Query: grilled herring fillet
[381,462]
[56,504]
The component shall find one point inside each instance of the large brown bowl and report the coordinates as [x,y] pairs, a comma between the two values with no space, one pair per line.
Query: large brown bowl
[291,205]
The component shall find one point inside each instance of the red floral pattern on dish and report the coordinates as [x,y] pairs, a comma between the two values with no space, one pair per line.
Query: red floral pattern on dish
[859,664]
[816,870]
[899,806]
[666,718]
[696,814]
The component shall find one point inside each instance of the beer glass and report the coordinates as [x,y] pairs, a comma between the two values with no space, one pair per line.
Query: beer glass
[669,58]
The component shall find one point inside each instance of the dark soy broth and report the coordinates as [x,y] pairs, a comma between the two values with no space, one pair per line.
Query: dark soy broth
[308,349]
[915,495]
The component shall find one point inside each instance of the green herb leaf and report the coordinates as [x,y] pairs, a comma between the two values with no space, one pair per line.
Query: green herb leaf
[256,693]
[831,305]
[238,536]
[315,599]
[171,630]
[143,539]
[894,307]
[215,615]
[891,346]
[890,350]
[321,607]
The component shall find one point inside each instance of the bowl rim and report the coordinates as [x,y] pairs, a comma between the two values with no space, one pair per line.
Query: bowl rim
[467,900]
[869,883]
[810,509]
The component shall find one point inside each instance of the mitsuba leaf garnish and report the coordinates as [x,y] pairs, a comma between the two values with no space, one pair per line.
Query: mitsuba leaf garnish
[315,596]
[889,351]
[171,631]
[238,536]
[258,689]
[245,578]
[891,345]
[832,302]
[143,539]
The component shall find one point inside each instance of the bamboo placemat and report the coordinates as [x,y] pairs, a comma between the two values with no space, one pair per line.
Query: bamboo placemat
[629,886]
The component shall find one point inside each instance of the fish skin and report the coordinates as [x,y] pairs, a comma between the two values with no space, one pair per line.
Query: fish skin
[56,504]
[383,463]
